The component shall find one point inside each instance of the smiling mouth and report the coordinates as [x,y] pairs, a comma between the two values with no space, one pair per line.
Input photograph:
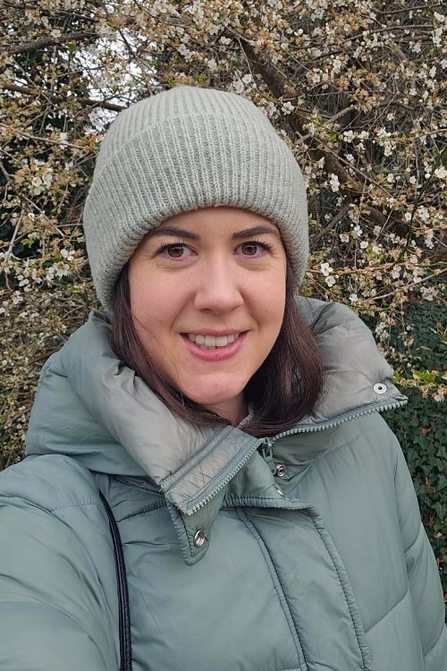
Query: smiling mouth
[213,342]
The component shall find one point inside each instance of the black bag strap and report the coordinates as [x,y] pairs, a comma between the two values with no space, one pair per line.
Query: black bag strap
[123,593]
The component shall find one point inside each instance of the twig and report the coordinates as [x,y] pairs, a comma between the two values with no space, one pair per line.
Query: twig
[43,42]
[331,224]
[413,284]
[36,92]
[13,239]
[41,139]
[351,108]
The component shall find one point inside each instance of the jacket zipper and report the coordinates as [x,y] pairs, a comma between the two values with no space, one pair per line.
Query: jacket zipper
[267,444]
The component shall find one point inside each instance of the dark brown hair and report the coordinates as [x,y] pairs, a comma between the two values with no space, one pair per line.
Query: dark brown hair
[283,390]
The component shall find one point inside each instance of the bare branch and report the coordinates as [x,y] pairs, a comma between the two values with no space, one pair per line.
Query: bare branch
[36,138]
[44,42]
[338,217]
[373,299]
[35,92]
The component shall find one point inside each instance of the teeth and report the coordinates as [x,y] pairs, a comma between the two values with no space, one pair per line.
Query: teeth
[212,341]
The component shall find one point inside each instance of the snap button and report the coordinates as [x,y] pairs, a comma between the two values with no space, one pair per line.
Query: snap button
[280,492]
[199,538]
[380,388]
[280,471]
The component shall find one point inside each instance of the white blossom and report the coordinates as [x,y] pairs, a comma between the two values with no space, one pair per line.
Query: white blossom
[428,240]
[239,86]
[440,172]
[66,254]
[437,37]
[334,182]
[439,396]
[17,298]
[429,293]
[326,269]
[287,107]
[184,51]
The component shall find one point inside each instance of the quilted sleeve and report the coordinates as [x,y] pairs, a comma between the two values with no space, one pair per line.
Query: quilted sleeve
[425,585]
[54,607]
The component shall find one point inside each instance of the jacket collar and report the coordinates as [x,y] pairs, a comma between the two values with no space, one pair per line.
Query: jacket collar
[93,408]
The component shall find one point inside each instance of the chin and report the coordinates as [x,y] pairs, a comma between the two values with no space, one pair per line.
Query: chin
[228,405]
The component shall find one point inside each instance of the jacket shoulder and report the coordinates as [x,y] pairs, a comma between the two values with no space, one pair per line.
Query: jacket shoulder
[49,482]
[57,570]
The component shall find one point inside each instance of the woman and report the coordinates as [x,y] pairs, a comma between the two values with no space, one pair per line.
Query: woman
[266,514]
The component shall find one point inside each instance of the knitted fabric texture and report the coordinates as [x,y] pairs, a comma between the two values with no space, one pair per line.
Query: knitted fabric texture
[181,150]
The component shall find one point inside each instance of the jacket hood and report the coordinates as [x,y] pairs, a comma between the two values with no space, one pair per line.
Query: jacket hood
[91,407]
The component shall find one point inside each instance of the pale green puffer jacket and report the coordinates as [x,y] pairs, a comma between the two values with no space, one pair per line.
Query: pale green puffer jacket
[314,559]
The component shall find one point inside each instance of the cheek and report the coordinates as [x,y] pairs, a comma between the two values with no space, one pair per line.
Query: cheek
[146,314]
[272,299]
[147,328]
[277,320]
[149,298]
[152,320]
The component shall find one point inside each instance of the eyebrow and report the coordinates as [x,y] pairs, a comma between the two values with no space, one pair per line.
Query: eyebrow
[174,232]
[239,235]
[256,230]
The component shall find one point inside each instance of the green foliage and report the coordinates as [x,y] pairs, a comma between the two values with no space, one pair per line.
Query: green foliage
[421,425]
[422,429]
[56,313]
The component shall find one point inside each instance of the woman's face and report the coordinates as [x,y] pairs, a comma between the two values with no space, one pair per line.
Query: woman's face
[207,291]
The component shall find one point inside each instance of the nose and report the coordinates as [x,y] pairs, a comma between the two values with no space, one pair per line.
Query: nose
[218,287]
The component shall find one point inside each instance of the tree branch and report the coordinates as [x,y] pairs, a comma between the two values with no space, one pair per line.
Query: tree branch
[372,299]
[44,42]
[338,217]
[35,92]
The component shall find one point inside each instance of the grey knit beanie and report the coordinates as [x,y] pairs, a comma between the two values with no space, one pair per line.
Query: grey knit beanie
[181,150]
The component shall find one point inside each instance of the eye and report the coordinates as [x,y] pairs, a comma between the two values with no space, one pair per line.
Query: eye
[254,249]
[174,251]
